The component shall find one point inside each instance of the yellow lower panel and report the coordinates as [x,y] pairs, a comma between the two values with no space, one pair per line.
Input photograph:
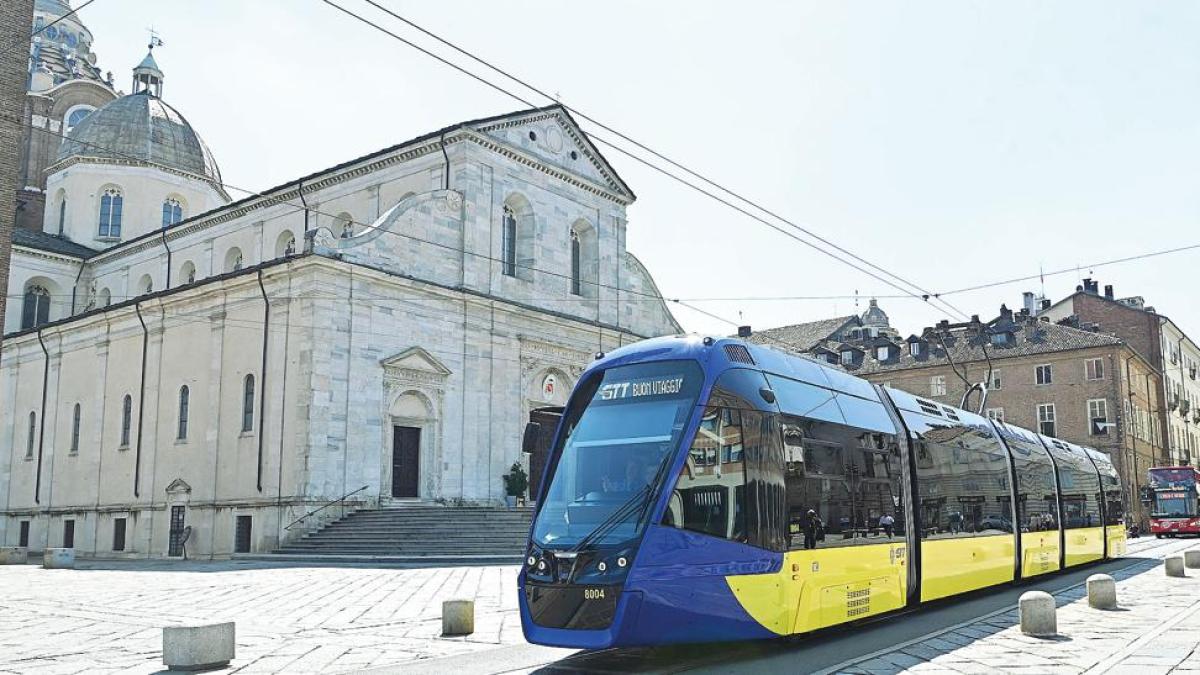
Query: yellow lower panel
[1116,540]
[824,587]
[1084,544]
[1039,553]
[958,565]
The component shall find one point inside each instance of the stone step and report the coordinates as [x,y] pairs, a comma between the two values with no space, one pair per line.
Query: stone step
[352,558]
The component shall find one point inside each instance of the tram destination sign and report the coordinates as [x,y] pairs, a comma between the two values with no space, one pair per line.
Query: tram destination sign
[668,385]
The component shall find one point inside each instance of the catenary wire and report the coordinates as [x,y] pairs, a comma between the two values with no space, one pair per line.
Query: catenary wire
[618,148]
[582,115]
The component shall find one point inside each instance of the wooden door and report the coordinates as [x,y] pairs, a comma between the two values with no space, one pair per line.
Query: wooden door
[406,461]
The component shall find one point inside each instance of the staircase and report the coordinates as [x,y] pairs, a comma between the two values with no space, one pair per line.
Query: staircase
[418,534]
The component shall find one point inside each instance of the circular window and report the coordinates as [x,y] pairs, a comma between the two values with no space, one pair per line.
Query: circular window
[574,155]
[533,135]
[51,32]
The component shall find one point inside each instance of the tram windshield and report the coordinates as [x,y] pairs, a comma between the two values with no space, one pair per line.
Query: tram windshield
[621,430]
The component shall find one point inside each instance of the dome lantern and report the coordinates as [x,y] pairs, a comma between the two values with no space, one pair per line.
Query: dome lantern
[147,76]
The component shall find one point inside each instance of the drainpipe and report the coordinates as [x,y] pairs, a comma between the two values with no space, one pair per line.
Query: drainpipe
[168,248]
[137,456]
[309,237]
[75,287]
[262,385]
[446,156]
[37,490]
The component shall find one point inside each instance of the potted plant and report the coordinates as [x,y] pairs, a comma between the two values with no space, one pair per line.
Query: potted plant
[516,481]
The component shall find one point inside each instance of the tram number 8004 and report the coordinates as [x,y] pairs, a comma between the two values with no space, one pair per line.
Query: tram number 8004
[593,594]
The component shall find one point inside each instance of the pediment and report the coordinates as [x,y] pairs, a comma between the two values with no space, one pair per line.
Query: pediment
[415,359]
[552,136]
[178,486]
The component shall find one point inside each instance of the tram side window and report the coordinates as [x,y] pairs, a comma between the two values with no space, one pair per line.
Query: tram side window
[1114,498]
[1037,500]
[963,480]
[842,485]
[709,495]
[1080,489]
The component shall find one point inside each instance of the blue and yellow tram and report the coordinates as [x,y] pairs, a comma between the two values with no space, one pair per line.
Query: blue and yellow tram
[704,489]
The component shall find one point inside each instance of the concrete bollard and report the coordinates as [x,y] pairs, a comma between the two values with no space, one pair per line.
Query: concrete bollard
[458,617]
[1102,592]
[1174,566]
[1037,612]
[198,647]
[13,555]
[58,559]
[1192,558]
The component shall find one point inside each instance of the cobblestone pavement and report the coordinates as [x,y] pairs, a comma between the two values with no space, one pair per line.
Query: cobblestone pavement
[290,618]
[1156,629]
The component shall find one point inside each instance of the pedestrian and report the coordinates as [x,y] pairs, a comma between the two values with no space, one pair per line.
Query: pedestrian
[888,523]
[812,527]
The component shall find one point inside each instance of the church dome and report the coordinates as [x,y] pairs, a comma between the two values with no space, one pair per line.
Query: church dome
[875,317]
[141,127]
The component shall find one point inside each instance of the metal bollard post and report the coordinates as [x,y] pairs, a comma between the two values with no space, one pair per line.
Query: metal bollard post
[1102,592]
[1038,614]
[1192,558]
[458,617]
[1174,566]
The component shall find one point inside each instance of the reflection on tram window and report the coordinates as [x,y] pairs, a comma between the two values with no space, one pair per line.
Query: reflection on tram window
[710,492]
[842,483]
[1080,487]
[963,479]
[1037,500]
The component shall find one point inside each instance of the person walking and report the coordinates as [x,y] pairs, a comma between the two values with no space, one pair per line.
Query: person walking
[888,523]
[812,527]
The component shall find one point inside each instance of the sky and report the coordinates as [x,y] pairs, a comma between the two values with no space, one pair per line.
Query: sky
[951,143]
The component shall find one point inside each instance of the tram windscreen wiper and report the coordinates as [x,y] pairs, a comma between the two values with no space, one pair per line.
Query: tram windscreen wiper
[640,501]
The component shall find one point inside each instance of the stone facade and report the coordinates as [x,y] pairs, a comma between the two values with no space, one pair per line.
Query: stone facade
[1163,343]
[390,341]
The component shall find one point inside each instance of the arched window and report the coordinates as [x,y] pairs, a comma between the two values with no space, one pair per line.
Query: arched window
[75,419]
[184,395]
[111,204]
[62,216]
[32,436]
[105,297]
[187,272]
[126,419]
[172,212]
[36,310]
[146,284]
[248,403]
[576,272]
[76,115]
[343,225]
[285,244]
[508,249]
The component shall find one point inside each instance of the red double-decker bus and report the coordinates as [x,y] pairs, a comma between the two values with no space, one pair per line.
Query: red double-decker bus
[1175,501]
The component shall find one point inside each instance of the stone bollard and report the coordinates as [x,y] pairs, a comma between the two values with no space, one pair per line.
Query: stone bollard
[1191,558]
[58,558]
[1102,592]
[1037,612]
[458,617]
[13,555]
[1174,566]
[198,647]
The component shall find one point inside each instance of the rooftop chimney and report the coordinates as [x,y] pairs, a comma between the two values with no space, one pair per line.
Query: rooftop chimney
[1029,302]
[1005,313]
[1108,291]
[744,331]
[1045,304]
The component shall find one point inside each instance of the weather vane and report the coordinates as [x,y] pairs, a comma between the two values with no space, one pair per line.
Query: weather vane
[155,40]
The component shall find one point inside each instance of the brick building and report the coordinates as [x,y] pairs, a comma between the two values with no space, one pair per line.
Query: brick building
[1065,380]
[15,16]
[1162,343]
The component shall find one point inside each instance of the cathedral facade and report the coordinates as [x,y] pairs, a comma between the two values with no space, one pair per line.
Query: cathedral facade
[180,366]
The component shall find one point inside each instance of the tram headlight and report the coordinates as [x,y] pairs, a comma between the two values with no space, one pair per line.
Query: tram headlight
[622,561]
[603,566]
[531,561]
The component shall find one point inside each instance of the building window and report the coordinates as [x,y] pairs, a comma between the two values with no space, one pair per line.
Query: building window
[999,339]
[76,115]
[508,250]
[847,357]
[31,437]
[1095,369]
[1046,419]
[184,395]
[36,310]
[996,414]
[75,414]
[576,272]
[1098,416]
[111,203]
[344,225]
[937,385]
[248,403]
[914,348]
[68,533]
[997,382]
[62,216]
[126,419]
[883,353]
[1045,375]
[23,536]
[172,212]
[118,534]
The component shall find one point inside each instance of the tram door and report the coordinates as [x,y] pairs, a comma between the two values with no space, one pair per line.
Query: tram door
[406,457]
